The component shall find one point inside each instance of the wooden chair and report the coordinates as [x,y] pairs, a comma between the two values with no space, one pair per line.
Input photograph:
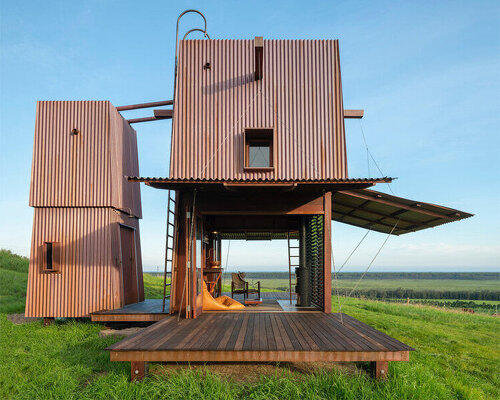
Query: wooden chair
[240,286]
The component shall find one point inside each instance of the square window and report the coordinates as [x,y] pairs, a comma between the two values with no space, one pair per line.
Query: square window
[259,149]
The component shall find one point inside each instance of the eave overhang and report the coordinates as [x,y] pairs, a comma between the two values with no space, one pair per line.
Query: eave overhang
[386,213]
[275,185]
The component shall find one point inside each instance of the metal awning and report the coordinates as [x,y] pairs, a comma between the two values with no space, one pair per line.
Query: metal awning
[382,212]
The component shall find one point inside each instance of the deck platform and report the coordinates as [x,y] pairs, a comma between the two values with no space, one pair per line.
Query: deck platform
[150,310]
[260,337]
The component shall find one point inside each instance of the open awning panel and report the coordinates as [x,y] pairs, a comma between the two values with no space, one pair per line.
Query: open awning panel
[385,213]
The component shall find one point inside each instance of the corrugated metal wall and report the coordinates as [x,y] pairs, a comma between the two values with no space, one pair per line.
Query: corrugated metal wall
[300,96]
[86,169]
[89,279]
[78,187]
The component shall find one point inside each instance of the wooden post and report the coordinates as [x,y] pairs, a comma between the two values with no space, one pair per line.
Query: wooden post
[138,370]
[327,246]
[380,369]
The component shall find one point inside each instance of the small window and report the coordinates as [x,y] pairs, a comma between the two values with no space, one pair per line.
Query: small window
[259,149]
[51,257]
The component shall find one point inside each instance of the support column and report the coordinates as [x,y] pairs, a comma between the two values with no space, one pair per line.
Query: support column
[380,369]
[327,250]
[138,370]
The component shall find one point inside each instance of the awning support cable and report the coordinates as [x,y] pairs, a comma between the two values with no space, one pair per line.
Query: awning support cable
[367,268]
[370,155]
[373,259]
[352,252]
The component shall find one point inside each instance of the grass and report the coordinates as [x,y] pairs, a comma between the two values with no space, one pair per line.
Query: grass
[13,280]
[457,357]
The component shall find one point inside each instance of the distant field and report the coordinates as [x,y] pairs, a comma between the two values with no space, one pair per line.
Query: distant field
[436,284]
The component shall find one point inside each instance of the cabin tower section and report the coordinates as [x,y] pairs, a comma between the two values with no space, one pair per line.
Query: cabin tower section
[258,110]
[85,250]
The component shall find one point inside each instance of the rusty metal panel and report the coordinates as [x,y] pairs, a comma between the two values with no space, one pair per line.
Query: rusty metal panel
[82,152]
[124,163]
[89,278]
[299,96]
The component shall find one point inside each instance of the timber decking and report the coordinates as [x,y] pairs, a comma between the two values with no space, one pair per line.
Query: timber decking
[260,337]
[149,310]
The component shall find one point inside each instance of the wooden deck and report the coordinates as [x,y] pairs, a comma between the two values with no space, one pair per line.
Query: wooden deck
[150,310]
[260,337]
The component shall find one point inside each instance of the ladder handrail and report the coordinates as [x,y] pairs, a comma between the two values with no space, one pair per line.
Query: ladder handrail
[169,237]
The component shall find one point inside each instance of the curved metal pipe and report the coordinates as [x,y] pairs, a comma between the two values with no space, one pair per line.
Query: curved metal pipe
[196,30]
[177,40]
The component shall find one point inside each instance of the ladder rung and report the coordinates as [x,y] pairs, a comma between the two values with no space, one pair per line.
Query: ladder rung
[170,223]
[168,284]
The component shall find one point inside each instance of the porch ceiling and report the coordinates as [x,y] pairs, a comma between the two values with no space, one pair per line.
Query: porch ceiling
[385,213]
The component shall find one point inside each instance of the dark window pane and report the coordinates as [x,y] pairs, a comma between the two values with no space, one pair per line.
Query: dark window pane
[258,155]
[48,256]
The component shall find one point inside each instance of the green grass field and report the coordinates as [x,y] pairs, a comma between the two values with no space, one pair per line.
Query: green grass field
[457,357]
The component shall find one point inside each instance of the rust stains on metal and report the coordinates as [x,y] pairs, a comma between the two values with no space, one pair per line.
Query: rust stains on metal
[299,96]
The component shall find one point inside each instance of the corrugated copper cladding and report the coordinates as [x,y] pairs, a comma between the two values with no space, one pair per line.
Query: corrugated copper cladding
[300,96]
[89,279]
[87,169]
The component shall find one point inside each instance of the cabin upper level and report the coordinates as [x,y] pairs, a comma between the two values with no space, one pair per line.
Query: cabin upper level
[258,109]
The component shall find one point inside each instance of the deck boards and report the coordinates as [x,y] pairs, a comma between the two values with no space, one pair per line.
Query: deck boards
[261,332]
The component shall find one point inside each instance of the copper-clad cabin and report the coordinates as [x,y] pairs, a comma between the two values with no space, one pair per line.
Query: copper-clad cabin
[258,153]
[85,250]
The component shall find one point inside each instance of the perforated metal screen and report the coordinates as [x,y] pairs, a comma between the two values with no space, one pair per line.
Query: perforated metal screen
[314,258]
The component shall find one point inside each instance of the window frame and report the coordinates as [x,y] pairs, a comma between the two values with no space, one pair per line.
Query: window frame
[55,261]
[256,136]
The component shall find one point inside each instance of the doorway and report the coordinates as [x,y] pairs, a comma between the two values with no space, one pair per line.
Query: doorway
[129,265]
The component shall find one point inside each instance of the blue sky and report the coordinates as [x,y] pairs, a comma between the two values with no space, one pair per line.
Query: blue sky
[427,74]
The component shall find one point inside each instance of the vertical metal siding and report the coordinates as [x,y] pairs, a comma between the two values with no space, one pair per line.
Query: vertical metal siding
[89,279]
[300,96]
[124,162]
[87,169]
[78,186]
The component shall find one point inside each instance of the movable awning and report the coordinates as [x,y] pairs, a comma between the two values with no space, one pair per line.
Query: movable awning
[385,213]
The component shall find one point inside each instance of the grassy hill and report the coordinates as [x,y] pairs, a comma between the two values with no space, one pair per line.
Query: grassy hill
[457,357]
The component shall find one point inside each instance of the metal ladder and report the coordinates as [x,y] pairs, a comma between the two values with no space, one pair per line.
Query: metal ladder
[291,259]
[169,246]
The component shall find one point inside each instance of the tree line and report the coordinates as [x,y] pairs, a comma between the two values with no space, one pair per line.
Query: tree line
[400,293]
